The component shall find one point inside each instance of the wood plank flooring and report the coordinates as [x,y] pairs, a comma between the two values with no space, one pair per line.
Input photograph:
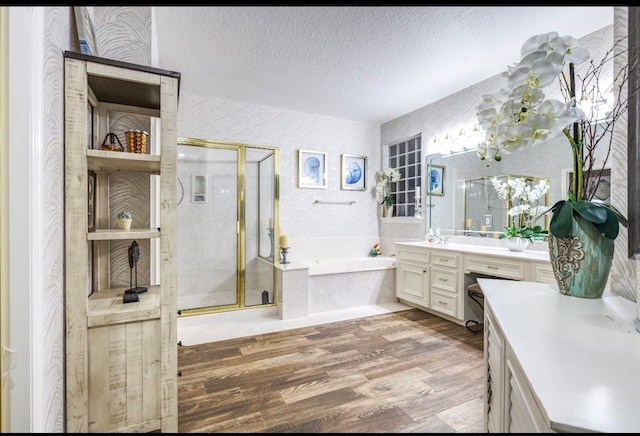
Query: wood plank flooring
[402,372]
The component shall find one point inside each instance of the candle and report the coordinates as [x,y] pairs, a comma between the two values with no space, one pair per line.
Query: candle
[483,228]
[469,223]
[284,242]
[270,222]
[417,191]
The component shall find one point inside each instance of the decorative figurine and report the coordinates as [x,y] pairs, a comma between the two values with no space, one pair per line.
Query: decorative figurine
[131,294]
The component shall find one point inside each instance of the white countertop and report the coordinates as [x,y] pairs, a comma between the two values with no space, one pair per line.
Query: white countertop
[536,255]
[580,356]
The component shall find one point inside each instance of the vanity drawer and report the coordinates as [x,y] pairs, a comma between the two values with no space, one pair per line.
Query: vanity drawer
[497,267]
[444,279]
[441,258]
[410,254]
[444,302]
[542,272]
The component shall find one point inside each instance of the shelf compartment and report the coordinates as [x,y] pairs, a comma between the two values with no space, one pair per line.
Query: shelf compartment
[106,307]
[110,161]
[117,234]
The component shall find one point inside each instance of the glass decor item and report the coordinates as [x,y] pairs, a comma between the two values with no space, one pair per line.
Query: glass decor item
[136,141]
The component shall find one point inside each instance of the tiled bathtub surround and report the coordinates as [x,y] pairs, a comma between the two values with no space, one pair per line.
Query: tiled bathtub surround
[307,249]
[347,283]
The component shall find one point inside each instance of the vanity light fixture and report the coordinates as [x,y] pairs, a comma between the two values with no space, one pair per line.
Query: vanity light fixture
[468,136]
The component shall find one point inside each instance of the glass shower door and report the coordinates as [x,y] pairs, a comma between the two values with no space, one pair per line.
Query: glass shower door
[208,227]
[259,226]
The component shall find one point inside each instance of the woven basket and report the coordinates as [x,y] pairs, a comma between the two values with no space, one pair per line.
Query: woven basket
[136,141]
[112,143]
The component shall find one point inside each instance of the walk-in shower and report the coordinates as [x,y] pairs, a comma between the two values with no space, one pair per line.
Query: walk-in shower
[227,221]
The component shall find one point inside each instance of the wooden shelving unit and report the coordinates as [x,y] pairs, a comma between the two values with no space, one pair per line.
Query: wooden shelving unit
[121,359]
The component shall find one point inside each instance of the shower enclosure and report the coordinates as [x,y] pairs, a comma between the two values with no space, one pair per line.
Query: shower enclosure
[227,222]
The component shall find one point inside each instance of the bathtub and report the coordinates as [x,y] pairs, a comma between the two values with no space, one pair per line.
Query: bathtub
[348,265]
[346,283]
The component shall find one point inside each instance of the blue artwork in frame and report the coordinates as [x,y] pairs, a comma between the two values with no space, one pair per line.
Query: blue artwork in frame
[436,180]
[312,169]
[354,172]
[86,36]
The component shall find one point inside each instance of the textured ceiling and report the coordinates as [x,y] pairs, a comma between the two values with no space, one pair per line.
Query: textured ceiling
[370,64]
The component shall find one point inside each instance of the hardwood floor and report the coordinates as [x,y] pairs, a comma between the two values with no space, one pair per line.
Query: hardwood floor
[401,372]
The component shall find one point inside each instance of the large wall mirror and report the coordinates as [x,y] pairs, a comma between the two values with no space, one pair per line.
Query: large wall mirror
[448,212]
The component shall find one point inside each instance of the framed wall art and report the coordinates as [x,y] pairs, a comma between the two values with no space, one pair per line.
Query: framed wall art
[436,180]
[603,192]
[312,169]
[86,37]
[353,172]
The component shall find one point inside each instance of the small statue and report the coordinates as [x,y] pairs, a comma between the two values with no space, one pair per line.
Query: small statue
[131,294]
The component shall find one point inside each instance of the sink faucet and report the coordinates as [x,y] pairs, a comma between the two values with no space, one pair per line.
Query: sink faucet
[439,239]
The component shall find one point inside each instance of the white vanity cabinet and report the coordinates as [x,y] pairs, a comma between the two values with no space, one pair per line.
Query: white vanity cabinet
[434,277]
[510,406]
[430,279]
[412,275]
[542,272]
[497,266]
[446,281]
[556,363]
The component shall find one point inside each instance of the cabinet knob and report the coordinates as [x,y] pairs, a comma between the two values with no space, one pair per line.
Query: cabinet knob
[492,267]
[444,303]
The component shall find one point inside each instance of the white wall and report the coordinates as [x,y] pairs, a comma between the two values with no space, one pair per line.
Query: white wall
[35,367]
[203,117]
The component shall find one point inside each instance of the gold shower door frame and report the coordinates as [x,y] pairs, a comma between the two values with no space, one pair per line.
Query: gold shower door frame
[241,226]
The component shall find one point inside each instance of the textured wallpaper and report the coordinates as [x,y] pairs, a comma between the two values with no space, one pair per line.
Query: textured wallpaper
[623,277]
[223,120]
[52,328]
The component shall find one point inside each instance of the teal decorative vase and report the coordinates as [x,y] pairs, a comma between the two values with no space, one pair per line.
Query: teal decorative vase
[581,263]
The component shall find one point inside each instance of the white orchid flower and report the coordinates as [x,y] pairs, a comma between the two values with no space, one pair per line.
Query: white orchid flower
[568,47]
[536,41]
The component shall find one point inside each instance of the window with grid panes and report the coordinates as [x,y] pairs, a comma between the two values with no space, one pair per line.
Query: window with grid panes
[406,157]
